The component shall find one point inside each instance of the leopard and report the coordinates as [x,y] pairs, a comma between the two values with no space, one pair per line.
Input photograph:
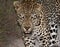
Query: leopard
[34,25]
[53,30]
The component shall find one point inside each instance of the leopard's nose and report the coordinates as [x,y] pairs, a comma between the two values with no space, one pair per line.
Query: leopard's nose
[27,28]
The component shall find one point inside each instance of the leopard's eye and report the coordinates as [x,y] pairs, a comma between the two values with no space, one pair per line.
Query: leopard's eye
[21,17]
[34,16]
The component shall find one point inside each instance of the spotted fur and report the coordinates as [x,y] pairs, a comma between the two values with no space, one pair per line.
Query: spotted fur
[34,25]
[53,31]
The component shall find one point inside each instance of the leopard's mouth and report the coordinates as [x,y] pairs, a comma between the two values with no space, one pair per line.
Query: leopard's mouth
[27,32]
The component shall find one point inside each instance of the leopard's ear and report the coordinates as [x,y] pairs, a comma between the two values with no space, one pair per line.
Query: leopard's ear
[16,4]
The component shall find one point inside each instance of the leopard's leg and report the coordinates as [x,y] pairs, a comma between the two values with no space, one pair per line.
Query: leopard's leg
[41,36]
[36,34]
[44,39]
[53,30]
[53,34]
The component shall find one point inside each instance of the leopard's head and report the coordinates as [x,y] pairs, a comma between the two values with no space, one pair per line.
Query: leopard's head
[28,13]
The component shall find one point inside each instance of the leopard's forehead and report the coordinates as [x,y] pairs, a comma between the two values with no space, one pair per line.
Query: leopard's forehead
[29,7]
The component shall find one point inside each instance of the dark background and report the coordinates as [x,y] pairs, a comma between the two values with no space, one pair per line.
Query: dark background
[9,29]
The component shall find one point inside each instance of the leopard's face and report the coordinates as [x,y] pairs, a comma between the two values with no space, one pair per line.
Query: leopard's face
[26,23]
[27,17]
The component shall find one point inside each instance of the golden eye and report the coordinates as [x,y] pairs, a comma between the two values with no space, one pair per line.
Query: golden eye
[38,23]
[34,16]
[21,17]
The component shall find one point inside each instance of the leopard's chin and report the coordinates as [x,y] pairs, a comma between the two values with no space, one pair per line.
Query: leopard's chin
[27,32]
